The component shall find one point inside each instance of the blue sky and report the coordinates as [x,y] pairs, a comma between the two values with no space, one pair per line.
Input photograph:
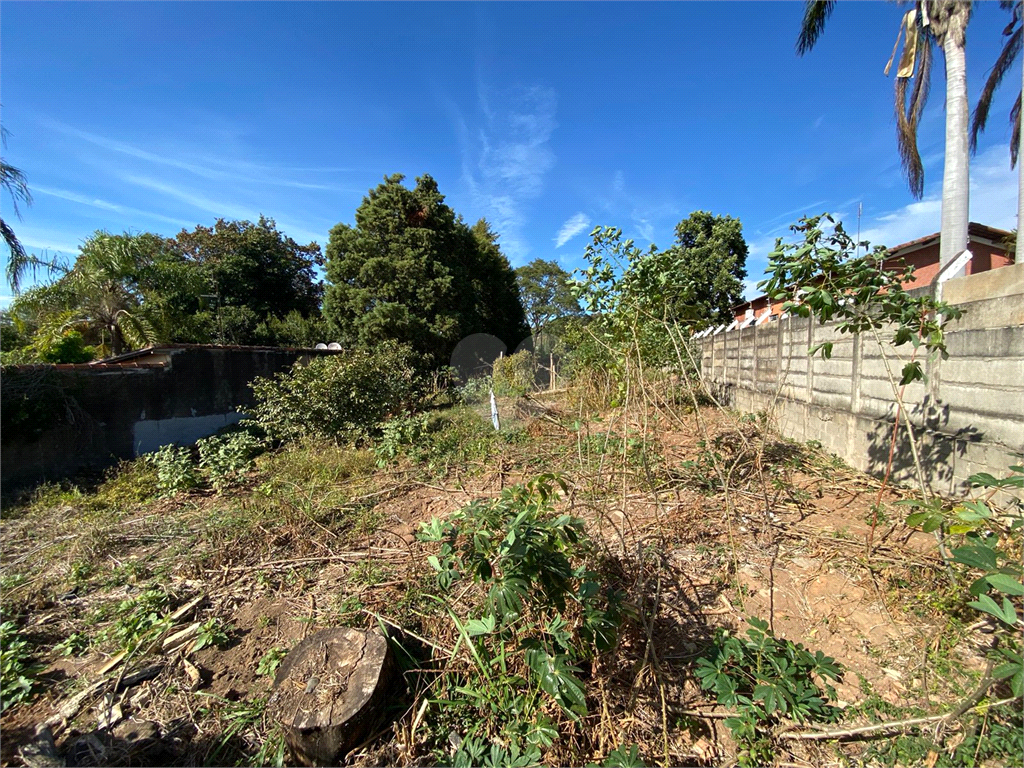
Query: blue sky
[547,119]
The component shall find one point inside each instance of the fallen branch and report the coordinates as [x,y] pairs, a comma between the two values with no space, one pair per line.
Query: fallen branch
[891,725]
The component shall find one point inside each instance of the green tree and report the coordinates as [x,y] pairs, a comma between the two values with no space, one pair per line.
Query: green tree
[251,272]
[494,289]
[928,22]
[700,278]
[410,270]
[98,297]
[546,292]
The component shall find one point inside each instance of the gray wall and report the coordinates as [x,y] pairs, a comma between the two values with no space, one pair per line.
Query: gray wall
[109,412]
[970,412]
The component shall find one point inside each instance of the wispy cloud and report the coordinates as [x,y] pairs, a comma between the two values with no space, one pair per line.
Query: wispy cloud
[648,212]
[104,205]
[505,161]
[220,208]
[571,228]
[993,196]
[206,167]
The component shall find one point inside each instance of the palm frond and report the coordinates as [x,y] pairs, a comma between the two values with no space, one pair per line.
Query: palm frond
[816,13]
[13,180]
[1006,58]
[19,261]
[135,329]
[1015,138]
[908,116]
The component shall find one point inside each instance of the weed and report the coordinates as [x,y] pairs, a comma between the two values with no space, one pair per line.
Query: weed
[765,679]
[17,672]
[399,434]
[174,469]
[74,644]
[212,632]
[368,573]
[271,661]
[138,619]
[543,611]
[225,458]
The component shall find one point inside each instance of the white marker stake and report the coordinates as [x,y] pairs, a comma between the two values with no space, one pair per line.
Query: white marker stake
[494,413]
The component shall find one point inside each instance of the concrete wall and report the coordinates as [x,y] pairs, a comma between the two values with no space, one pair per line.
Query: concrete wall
[970,412]
[107,412]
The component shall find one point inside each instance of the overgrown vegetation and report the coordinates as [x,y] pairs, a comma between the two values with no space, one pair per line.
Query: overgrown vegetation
[567,590]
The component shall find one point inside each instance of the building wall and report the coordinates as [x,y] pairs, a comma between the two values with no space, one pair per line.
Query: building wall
[925,262]
[109,412]
[970,412]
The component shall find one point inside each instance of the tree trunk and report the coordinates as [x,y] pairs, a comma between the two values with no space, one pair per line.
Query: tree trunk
[1020,189]
[331,691]
[955,178]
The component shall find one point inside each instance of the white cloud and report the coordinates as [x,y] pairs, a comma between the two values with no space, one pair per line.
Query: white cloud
[993,202]
[571,228]
[107,206]
[505,164]
[230,169]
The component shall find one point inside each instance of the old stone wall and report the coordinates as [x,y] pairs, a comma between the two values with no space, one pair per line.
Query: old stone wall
[970,412]
[87,417]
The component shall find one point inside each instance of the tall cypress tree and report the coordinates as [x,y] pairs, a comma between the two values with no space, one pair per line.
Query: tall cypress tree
[411,270]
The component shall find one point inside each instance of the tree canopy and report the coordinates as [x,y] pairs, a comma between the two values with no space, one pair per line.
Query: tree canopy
[699,278]
[236,282]
[412,271]
[546,293]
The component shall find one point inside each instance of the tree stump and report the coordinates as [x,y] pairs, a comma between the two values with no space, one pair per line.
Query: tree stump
[330,691]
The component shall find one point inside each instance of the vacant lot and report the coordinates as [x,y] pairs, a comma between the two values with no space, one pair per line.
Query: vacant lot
[694,521]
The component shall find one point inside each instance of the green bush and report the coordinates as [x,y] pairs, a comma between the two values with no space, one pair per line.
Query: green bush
[344,398]
[69,348]
[513,376]
[765,679]
[224,458]
[174,469]
[476,390]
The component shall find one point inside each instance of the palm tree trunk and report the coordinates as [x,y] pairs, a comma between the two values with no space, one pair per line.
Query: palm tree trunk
[955,180]
[1020,189]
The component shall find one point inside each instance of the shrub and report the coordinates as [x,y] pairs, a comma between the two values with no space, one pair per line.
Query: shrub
[513,376]
[69,348]
[343,397]
[174,469]
[224,458]
[765,679]
[476,390]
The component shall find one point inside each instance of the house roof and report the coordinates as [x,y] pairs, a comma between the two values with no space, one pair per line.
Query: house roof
[127,357]
[975,232]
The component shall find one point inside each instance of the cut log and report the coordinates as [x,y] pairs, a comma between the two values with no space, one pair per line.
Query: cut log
[331,691]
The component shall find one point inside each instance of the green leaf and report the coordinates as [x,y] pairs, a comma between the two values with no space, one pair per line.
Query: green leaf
[911,372]
[1006,584]
[484,626]
[976,556]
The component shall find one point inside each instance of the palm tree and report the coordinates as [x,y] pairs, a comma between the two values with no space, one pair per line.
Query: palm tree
[97,296]
[103,278]
[944,23]
[13,180]
[1014,34]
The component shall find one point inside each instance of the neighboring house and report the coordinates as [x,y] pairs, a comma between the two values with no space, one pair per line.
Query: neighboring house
[988,251]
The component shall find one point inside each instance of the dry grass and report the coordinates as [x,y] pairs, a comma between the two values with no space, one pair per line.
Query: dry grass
[319,536]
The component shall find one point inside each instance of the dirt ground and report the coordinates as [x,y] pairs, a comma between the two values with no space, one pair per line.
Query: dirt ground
[791,549]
